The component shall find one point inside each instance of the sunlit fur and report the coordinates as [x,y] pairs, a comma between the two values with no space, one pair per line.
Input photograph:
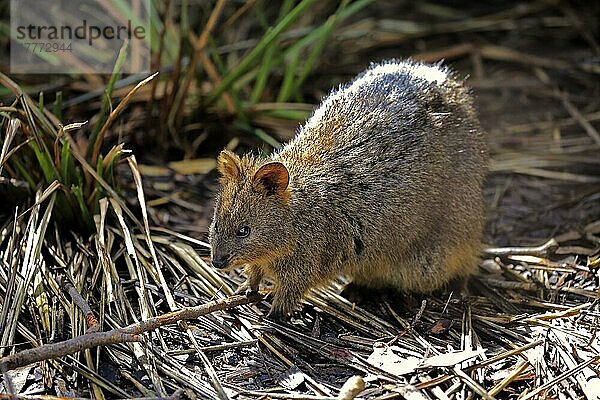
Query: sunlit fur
[385,185]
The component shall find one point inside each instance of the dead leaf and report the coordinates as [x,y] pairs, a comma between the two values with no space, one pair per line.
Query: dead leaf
[451,359]
[441,326]
[193,166]
[384,358]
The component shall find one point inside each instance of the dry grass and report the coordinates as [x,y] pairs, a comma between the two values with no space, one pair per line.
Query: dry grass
[527,330]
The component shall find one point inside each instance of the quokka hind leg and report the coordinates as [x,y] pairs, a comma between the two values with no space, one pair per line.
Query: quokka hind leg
[358,293]
[460,263]
[436,267]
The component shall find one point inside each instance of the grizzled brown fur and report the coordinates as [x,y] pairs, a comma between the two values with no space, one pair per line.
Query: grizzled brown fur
[383,183]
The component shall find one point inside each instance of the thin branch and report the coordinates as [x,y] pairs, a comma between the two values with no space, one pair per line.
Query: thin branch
[542,250]
[79,301]
[130,333]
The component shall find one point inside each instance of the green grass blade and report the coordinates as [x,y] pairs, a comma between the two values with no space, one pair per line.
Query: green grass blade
[256,52]
[45,162]
[98,192]
[24,173]
[41,102]
[185,19]
[77,191]
[294,115]
[268,59]
[104,110]
[260,15]
[261,134]
[315,52]
[67,165]
[57,107]
[350,10]
[288,78]
[233,92]
[265,137]
[263,75]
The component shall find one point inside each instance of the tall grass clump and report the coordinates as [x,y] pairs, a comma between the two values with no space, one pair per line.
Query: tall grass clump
[247,78]
[39,153]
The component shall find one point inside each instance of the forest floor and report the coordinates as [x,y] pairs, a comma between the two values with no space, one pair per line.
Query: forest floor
[528,327]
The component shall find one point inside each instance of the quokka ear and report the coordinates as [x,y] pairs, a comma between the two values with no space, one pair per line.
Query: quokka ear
[228,165]
[273,178]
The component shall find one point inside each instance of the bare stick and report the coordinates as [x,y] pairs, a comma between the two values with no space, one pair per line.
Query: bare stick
[90,318]
[129,333]
[542,250]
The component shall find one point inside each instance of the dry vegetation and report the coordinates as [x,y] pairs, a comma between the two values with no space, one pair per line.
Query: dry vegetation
[104,277]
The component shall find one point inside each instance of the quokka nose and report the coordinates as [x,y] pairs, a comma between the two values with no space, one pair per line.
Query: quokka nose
[220,261]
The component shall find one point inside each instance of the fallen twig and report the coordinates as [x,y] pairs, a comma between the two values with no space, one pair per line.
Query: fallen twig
[79,301]
[129,333]
[537,250]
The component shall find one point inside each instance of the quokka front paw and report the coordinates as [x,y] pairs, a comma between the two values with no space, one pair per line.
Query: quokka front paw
[255,275]
[246,288]
[283,304]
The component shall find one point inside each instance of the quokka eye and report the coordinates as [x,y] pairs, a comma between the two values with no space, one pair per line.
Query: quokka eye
[243,232]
